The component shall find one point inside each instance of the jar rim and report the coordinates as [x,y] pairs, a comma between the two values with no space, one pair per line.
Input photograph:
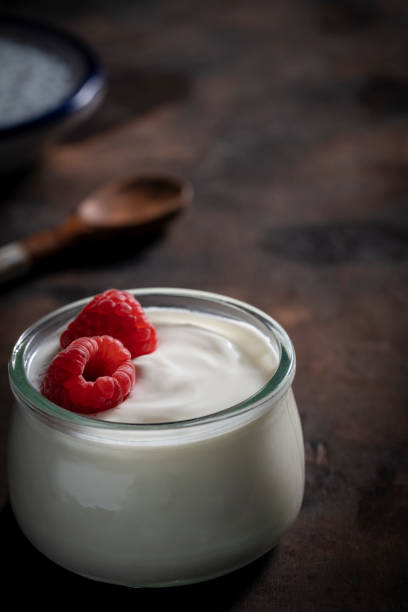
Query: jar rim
[273,389]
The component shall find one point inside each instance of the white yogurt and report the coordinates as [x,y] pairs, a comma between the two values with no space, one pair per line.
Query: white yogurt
[202,364]
[166,503]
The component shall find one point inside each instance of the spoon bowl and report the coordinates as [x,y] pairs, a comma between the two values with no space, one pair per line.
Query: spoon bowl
[134,202]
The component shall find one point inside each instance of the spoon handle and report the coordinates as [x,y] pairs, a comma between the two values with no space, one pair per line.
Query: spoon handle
[17,258]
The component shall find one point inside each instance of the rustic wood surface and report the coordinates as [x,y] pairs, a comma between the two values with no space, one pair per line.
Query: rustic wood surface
[290,117]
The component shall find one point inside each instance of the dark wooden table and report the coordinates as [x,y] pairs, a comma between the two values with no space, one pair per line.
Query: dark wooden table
[291,120]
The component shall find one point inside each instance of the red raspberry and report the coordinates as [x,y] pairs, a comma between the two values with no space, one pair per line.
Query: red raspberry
[118,314]
[90,375]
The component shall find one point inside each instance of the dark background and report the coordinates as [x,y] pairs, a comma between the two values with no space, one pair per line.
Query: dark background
[290,118]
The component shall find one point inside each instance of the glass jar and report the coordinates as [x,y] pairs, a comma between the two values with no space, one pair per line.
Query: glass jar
[157,504]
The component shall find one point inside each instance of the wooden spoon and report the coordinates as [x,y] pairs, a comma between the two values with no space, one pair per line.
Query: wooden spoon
[141,205]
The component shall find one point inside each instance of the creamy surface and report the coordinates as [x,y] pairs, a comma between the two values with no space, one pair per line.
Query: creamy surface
[203,364]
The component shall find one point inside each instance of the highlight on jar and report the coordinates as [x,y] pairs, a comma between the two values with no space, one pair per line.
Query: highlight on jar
[155,438]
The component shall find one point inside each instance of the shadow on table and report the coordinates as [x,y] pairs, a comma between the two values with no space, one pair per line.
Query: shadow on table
[340,243]
[91,255]
[131,93]
[25,561]
[13,182]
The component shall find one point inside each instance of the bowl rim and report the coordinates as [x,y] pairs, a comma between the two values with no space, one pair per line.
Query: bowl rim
[92,83]
[272,391]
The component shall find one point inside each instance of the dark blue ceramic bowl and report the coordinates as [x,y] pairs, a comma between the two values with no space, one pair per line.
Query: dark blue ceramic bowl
[22,141]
